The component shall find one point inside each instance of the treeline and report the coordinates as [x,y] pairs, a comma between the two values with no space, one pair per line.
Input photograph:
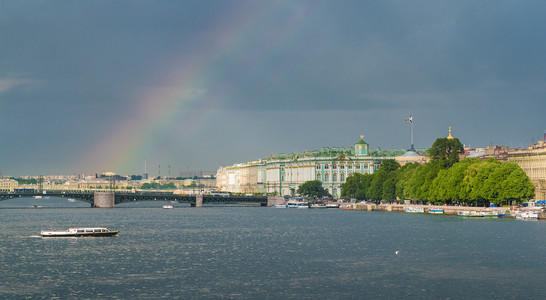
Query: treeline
[444,180]
[158,186]
[25,181]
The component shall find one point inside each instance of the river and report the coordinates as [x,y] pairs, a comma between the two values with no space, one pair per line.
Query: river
[230,252]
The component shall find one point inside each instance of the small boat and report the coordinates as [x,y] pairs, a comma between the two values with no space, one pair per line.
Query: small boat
[167,207]
[281,205]
[71,200]
[318,205]
[490,214]
[435,211]
[37,197]
[332,205]
[414,210]
[527,215]
[79,232]
[470,214]
[346,206]
[297,204]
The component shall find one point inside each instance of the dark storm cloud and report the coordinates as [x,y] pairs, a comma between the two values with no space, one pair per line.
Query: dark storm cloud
[70,71]
[388,53]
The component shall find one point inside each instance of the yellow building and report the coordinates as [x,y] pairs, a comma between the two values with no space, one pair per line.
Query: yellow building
[533,162]
[8,185]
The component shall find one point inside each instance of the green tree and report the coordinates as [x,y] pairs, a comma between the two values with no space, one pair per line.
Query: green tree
[383,182]
[25,181]
[150,186]
[352,185]
[168,186]
[389,188]
[404,175]
[312,189]
[517,187]
[446,151]
[136,177]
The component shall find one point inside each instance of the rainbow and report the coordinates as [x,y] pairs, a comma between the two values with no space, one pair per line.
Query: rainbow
[176,108]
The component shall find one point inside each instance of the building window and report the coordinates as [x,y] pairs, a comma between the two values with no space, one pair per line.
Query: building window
[326,166]
[318,167]
[334,177]
[334,166]
[349,166]
[326,177]
[318,177]
[342,179]
[342,167]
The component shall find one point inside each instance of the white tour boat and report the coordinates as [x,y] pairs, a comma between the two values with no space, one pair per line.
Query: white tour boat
[297,204]
[527,215]
[167,207]
[435,211]
[79,232]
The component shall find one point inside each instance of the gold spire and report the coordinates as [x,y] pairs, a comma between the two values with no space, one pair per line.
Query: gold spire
[362,137]
[449,137]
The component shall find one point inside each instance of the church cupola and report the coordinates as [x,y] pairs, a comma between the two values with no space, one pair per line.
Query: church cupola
[449,137]
[361,148]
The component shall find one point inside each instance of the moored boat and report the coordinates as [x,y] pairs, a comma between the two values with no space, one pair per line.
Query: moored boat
[435,211]
[297,204]
[414,209]
[79,232]
[346,206]
[280,205]
[167,207]
[318,205]
[490,214]
[527,215]
[469,214]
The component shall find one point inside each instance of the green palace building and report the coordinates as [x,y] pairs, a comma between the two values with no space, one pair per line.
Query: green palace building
[282,174]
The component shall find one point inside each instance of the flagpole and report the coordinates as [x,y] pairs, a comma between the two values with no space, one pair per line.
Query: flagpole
[412,135]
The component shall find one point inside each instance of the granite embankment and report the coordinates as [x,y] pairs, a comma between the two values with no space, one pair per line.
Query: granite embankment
[450,210]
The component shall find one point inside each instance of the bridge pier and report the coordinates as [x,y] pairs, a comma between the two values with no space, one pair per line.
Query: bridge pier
[272,200]
[199,200]
[104,200]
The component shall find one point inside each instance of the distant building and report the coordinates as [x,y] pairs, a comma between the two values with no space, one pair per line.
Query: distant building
[533,162]
[282,174]
[411,156]
[8,185]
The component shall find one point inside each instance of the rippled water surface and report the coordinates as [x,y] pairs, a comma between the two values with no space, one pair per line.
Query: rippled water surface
[265,253]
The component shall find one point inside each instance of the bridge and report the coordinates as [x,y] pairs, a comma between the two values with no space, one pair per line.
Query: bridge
[105,199]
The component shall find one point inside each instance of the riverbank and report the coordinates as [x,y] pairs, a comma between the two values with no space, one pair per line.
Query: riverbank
[448,210]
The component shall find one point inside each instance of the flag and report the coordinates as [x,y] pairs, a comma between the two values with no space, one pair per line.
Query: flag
[410,119]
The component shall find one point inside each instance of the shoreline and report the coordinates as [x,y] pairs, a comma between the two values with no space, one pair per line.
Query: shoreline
[448,210]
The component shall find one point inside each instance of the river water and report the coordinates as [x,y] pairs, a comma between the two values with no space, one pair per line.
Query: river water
[228,252]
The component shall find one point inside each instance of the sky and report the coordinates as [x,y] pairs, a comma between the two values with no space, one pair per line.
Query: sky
[111,86]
